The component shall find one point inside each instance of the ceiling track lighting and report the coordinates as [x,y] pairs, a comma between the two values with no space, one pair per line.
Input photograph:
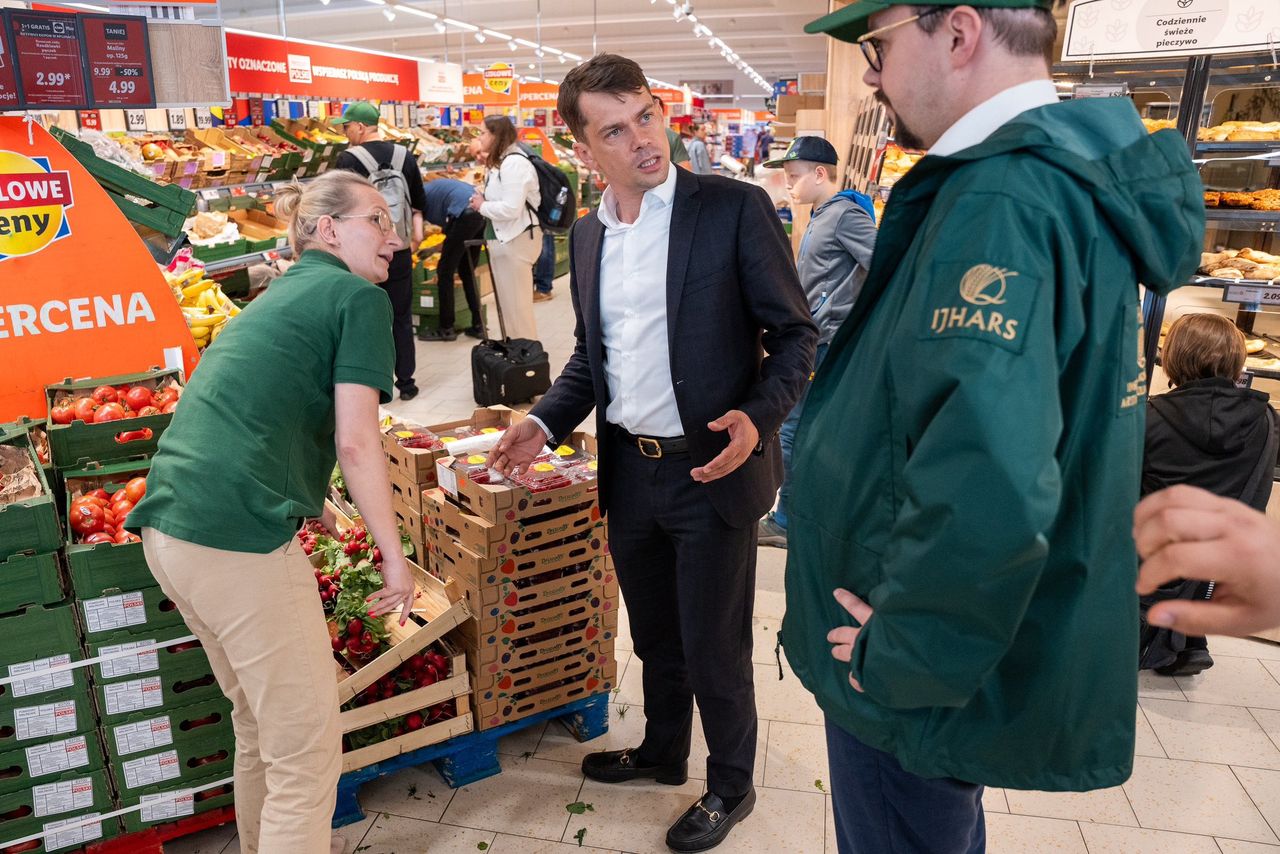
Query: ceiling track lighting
[480,37]
[388,14]
[514,47]
[410,10]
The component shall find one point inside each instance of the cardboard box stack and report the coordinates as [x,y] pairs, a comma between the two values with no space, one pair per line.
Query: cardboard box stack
[529,558]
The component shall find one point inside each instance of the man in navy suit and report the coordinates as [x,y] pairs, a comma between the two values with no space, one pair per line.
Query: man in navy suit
[693,343]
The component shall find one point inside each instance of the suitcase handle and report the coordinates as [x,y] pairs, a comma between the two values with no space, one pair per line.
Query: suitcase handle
[497,303]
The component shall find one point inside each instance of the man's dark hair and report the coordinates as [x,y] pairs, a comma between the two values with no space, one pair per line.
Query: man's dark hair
[604,72]
[1023,32]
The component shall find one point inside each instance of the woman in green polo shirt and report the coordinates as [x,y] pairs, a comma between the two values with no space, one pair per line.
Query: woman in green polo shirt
[291,385]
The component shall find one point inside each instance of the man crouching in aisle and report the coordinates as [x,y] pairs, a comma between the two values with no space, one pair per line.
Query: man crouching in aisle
[677,281]
[960,575]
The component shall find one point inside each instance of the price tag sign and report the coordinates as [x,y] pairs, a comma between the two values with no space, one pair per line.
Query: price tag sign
[47,48]
[204,118]
[1101,90]
[135,120]
[177,119]
[90,120]
[8,70]
[118,54]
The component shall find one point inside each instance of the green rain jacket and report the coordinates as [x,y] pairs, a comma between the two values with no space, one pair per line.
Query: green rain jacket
[969,456]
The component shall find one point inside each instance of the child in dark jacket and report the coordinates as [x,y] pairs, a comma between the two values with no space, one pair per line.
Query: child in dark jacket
[1209,433]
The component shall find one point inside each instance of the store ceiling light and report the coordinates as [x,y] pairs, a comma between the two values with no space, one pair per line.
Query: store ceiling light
[525,42]
[410,10]
[497,35]
[562,59]
[480,37]
[440,28]
[462,25]
[514,47]
[553,50]
[388,14]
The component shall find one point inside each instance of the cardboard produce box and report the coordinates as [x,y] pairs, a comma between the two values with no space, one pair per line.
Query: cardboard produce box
[549,634]
[30,580]
[145,610]
[117,701]
[419,464]
[495,539]
[28,514]
[170,802]
[498,679]
[47,806]
[517,705]
[151,730]
[207,751]
[49,716]
[46,761]
[509,594]
[184,659]
[453,561]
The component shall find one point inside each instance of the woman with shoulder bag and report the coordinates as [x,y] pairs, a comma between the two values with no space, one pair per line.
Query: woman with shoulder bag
[1206,432]
[510,203]
[292,385]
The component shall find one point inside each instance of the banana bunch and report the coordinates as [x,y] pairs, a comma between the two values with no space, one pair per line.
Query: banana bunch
[206,308]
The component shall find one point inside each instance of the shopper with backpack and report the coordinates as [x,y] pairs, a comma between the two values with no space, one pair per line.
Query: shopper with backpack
[510,202]
[833,260]
[395,174]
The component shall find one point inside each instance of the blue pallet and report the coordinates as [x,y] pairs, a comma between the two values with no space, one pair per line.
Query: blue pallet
[469,758]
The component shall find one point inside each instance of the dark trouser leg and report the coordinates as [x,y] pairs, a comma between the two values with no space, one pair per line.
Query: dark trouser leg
[544,274]
[470,226]
[787,438]
[880,807]
[646,559]
[689,584]
[453,253]
[399,287]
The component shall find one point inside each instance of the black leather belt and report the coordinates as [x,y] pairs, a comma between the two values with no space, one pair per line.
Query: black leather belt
[654,447]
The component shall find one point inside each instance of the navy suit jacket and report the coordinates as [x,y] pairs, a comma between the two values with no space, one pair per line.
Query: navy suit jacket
[739,330]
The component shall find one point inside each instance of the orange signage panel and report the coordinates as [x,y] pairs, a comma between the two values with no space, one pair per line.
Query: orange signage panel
[80,295]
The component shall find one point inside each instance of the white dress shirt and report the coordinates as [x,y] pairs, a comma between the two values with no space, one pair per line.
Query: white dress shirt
[509,192]
[633,314]
[994,113]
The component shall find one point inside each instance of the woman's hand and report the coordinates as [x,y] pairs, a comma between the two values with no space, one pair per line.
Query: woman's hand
[477,200]
[397,589]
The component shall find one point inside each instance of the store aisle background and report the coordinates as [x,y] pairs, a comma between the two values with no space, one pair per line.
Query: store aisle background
[1206,777]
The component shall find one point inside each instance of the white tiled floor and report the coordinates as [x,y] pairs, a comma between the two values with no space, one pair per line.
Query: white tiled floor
[1206,778]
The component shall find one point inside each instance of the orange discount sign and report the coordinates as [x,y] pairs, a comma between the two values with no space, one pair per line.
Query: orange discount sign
[80,295]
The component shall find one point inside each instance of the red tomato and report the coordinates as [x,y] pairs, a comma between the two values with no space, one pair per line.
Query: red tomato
[108,412]
[138,397]
[99,537]
[148,410]
[168,408]
[88,518]
[165,395]
[84,407]
[136,488]
[63,412]
[105,394]
[100,493]
[125,537]
[121,497]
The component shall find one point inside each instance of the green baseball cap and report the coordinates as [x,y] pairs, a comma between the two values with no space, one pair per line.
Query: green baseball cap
[850,23]
[362,112]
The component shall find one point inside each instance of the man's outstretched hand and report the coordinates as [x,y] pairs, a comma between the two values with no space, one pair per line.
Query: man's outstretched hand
[743,440]
[520,443]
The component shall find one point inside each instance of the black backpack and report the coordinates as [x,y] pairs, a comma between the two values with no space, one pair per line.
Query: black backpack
[556,205]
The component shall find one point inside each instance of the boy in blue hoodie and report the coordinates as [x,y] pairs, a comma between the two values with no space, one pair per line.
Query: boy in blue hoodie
[833,260]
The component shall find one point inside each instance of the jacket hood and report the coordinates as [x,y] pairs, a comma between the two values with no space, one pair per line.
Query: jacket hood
[1214,415]
[1145,184]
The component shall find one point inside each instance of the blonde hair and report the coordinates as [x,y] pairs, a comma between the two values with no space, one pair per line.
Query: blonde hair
[332,194]
[1200,346]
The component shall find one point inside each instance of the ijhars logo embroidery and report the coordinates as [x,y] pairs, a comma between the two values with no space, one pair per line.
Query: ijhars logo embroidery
[33,204]
[975,286]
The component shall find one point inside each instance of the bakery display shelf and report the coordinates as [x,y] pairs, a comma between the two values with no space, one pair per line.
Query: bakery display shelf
[1263,147]
[228,265]
[1242,220]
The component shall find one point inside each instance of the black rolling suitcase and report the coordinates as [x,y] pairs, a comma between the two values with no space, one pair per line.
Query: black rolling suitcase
[508,370]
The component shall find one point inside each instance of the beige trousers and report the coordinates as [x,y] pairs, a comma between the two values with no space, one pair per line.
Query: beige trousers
[512,265]
[262,625]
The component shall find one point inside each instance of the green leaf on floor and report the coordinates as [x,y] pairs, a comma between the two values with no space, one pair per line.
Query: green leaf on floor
[622,710]
[483,846]
[413,792]
[817,784]
[578,808]
[582,832]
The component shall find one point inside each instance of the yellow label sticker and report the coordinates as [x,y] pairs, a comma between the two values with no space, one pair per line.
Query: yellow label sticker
[544,467]
[447,439]
[490,430]
[405,434]
[477,459]
[565,451]
[593,465]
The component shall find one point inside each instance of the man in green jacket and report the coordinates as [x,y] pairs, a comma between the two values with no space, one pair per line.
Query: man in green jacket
[960,582]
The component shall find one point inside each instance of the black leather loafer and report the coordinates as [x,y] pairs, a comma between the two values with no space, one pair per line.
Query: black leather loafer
[619,766]
[706,824]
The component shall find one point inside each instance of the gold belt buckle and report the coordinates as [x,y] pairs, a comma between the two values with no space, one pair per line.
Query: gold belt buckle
[643,442]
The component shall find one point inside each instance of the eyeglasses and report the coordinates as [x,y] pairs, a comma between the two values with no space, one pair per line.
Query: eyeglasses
[380,218]
[873,48]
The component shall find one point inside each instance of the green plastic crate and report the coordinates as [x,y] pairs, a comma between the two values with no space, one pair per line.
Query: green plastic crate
[145,610]
[162,811]
[78,444]
[104,562]
[117,701]
[182,661]
[194,754]
[30,580]
[160,726]
[47,717]
[89,792]
[31,426]
[36,632]
[31,525]
[33,765]
[222,251]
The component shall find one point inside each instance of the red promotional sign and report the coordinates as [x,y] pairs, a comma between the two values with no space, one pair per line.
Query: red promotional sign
[8,72]
[47,48]
[90,120]
[256,115]
[119,57]
[274,66]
